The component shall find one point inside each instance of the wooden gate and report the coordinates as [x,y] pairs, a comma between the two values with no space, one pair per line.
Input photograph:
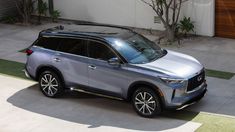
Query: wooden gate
[225,18]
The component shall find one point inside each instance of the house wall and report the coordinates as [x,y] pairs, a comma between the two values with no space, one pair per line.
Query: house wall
[134,13]
[7,7]
[202,13]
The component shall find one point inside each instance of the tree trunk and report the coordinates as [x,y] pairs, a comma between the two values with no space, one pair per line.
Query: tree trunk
[51,6]
[39,19]
[40,2]
[170,34]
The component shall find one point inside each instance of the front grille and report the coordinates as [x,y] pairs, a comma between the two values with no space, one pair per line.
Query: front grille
[196,81]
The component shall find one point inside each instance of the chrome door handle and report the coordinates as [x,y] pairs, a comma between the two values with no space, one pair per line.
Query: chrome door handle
[56,59]
[92,67]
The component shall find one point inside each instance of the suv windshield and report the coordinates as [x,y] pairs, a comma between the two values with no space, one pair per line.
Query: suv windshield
[138,49]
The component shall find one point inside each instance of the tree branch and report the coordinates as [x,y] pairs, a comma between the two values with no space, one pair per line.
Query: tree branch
[174,13]
[147,3]
[18,7]
[158,9]
[180,4]
[170,3]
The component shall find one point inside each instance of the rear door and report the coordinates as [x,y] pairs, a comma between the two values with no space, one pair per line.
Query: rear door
[71,58]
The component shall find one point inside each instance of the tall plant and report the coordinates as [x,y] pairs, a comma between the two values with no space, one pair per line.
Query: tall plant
[25,9]
[55,15]
[42,9]
[168,11]
[186,26]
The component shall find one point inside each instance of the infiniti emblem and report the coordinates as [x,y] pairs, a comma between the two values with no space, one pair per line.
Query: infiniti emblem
[199,78]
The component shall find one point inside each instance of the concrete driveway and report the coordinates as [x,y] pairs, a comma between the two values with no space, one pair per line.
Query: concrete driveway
[14,38]
[220,98]
[23,108]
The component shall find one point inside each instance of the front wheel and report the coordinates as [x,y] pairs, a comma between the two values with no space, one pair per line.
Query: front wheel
[50,84]
[146,102]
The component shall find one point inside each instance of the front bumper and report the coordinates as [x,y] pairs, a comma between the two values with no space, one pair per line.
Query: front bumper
[193,100]
[188,99]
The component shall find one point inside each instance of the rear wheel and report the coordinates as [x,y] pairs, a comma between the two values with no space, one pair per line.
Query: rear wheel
[50,84]
[146,102]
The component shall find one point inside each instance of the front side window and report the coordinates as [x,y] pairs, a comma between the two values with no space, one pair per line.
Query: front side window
[73,46]
[100,51]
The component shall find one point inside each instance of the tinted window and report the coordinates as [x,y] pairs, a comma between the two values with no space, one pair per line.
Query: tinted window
[100,51]
[48,43]
[73,46]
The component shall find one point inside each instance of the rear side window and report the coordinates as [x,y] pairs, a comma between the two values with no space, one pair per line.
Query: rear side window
[73,46]
[48,43]
[100,51]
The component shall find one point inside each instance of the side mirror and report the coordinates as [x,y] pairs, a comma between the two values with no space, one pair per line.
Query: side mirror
[114,61]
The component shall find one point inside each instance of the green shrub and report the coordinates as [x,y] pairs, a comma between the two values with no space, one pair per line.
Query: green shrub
[42,9]
[9,19]
[186,25]
[55,15]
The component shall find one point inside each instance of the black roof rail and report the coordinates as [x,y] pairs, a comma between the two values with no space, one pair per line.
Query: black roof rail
[60,27]
[105,25]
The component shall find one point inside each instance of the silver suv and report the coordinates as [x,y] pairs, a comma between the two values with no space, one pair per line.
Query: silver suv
[116,62]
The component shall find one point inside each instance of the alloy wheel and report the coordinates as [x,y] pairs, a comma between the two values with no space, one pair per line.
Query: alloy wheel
[49,84]
[145,103]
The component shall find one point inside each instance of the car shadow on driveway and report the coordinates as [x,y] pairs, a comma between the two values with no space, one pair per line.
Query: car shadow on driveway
[90,110]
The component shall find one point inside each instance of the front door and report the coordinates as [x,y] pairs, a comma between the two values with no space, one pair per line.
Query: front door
[103,76]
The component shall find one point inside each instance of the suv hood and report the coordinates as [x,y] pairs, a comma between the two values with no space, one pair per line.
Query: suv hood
[175,64]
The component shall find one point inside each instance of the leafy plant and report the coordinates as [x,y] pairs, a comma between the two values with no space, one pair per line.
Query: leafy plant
[25,9]
[186,26]
[55,15]
[42,9]
[9,19]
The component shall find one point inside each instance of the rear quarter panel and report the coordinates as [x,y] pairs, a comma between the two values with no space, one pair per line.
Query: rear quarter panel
[39,58]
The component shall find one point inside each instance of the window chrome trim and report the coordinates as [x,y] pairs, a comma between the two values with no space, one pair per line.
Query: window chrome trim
[89,39]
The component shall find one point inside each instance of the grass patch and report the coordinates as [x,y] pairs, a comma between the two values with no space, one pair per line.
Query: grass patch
[219,74]
[210,122]
[215,123]
[23,50]
[12,68]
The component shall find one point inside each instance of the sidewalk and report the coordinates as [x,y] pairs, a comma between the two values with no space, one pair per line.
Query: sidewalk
[14,38]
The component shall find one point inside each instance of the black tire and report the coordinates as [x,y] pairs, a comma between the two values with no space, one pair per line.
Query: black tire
[51,84]
[148,106]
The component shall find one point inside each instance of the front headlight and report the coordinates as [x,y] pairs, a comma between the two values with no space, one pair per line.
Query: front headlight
[171,80]
[174,83]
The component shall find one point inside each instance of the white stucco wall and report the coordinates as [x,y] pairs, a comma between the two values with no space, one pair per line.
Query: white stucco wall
[134,13]
[202,13]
